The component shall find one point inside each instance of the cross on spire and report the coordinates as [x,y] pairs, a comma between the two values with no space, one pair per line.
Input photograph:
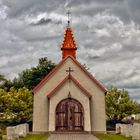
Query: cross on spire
[69,70]
[68,13]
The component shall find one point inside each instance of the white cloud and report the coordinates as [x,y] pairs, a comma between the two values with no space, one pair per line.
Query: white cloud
[3,11]
[102,33]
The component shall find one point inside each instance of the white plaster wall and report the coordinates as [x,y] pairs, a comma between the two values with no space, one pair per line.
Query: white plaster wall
[40,111]
[77,94]
[41,103]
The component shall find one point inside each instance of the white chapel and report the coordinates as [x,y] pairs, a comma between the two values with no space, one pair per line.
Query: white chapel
[69,98]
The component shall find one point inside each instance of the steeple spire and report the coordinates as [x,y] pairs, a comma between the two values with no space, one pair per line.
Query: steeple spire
[68,46]
[68,13]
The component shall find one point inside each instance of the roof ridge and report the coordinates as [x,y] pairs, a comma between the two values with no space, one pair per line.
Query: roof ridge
[59,65]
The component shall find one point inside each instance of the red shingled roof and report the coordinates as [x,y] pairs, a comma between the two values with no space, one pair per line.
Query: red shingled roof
[68,46]
[69,77]
[68,42]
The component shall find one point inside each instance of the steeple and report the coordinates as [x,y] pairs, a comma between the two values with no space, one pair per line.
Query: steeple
[68,46]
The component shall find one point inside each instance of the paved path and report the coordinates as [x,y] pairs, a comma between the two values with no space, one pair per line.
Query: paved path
[72,137]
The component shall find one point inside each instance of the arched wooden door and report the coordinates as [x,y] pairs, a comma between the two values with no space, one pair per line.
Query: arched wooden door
[69,116]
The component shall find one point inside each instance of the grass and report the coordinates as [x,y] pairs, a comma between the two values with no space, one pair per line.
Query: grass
[35,137]
[111,137]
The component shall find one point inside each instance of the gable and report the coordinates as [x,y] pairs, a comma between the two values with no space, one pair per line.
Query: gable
[75,64]
[71,78]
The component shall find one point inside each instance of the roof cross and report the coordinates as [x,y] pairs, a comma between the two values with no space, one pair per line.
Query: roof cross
[68,13]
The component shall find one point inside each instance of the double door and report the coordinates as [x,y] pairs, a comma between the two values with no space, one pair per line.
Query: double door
[69,116]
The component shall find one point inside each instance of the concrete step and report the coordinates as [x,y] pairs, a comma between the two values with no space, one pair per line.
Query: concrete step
[70,136]
[70,132]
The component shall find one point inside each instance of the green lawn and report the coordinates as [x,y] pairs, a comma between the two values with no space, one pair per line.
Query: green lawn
[100,136]
[35,137]
[111,137]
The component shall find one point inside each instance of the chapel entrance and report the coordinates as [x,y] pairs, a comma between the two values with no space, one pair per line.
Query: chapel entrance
[69,116]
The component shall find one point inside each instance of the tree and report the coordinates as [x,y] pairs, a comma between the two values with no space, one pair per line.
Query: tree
[16,105]
[29,78]
[4,101]
[119,104]
[2,80]
[2,77]
[7,84]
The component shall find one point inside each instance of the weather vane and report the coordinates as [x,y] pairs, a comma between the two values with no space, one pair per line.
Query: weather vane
[68,13]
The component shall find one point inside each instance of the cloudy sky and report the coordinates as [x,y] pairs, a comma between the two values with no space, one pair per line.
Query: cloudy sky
[107,33]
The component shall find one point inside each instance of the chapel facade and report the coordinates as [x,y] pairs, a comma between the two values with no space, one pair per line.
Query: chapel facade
[69,98]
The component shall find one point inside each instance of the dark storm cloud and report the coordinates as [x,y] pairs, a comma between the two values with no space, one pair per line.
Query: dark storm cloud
[122,8]
[106,33]
[18,7]
[45,38]
[134,7]
[42,21]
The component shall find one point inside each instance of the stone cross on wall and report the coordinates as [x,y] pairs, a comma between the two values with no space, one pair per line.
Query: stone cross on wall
[69,71]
